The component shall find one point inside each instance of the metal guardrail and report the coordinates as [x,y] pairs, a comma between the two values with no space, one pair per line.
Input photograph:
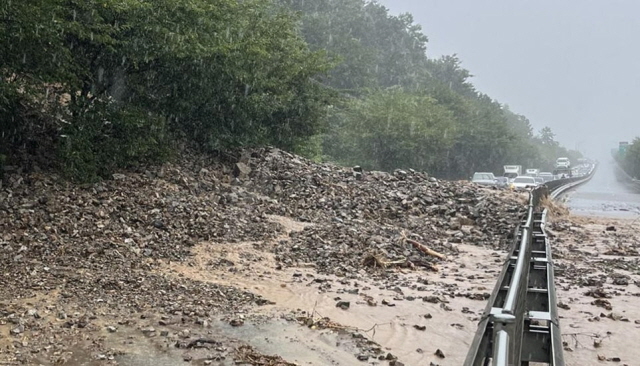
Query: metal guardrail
[520,323]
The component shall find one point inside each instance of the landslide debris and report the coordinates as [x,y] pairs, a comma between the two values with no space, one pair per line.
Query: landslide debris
[107,236]
[105,245]
[356,213]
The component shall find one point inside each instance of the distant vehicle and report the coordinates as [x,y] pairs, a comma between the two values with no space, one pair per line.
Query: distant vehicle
[523,182]
[512,171]
[563,163]
[484,178]
[563,168]
[539,180]
[533,172]
[502,182]
[547,176]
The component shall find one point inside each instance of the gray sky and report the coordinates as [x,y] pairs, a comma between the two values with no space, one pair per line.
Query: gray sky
[572,65]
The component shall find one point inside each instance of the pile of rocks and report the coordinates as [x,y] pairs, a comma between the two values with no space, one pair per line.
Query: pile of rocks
[103,240]
[357,212]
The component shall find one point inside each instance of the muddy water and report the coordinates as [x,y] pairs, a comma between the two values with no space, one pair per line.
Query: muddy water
[604,196]
[587,329]
[449,328]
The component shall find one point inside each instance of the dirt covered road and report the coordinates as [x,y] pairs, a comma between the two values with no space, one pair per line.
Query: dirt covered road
[260,258]
[598,288]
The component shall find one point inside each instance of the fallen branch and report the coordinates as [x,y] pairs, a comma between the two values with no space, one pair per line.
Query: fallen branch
[424,249]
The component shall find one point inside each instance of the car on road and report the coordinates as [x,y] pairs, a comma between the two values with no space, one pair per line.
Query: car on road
[523,182]
[563,163]
[539,180]
[484,178]
[547,176]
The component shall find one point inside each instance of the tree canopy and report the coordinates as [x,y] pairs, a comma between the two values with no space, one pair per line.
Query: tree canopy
[405,109]
[630,161]
[107,84]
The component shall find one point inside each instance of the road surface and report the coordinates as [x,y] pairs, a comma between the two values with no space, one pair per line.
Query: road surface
[604,196]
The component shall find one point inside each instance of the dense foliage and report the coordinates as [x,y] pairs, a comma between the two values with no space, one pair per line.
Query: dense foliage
[630,161]
[106,84]
[110,83]
[406,110]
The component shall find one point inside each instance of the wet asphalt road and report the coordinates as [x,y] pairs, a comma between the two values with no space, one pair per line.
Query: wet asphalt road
[604,196]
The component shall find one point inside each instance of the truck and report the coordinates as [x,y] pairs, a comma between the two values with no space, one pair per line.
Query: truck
[533,172]
[512,171]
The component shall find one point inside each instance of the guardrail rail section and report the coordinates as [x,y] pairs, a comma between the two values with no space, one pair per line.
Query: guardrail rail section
[520,323]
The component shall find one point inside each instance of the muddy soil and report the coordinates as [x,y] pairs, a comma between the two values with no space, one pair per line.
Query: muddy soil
[266,260]
[598,288]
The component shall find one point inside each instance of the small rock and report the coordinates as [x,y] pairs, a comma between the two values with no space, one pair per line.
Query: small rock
[344,305]
[431,299]
[439,353]
[241,170]
[111,329]
[17,330]
[236,322]
[388,303]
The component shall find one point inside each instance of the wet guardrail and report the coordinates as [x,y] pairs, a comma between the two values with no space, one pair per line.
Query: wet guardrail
[520,324]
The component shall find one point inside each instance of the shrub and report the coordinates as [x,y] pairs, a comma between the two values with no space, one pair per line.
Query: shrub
[105,136]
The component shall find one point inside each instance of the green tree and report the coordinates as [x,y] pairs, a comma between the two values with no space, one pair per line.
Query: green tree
[392,129]
[217,73]
[631,159]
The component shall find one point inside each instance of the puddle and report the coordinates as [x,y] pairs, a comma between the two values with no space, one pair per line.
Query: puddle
[291,341]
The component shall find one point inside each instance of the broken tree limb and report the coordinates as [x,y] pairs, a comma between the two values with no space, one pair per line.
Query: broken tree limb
[424,249]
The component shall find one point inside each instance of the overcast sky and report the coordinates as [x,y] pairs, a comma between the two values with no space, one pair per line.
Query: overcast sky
[572,65]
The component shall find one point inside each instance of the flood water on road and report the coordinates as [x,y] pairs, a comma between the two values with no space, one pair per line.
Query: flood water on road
[604,196]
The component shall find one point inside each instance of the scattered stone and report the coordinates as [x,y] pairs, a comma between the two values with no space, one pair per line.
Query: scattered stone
[603,303]
[439,353]
[149,331]
[17,330]
[344,305]
[431,299]
[236,322]
[241,170]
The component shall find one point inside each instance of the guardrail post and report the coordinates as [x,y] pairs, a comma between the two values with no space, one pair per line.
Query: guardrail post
[502,326]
